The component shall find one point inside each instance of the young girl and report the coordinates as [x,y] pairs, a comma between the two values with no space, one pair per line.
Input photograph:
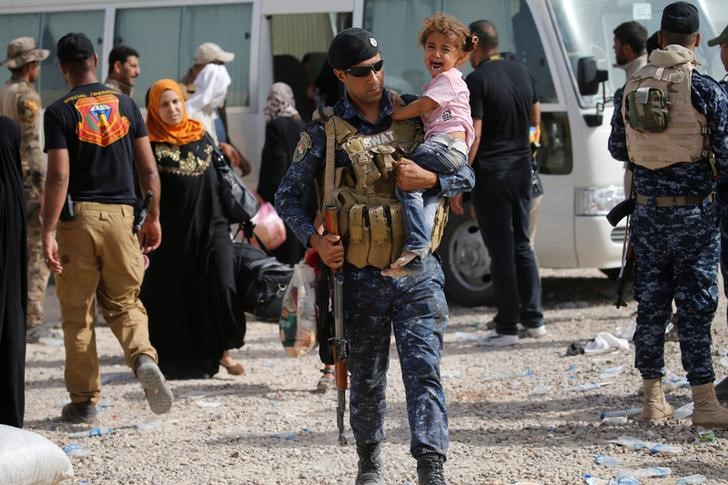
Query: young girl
[445,111]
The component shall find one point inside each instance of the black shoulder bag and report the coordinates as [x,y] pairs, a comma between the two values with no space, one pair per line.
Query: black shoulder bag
[239,205]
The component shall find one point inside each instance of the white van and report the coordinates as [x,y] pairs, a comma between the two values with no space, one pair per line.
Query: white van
[286,40]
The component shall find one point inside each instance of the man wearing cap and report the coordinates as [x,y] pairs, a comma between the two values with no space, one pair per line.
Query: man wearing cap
[20,101]
[93,135]
[721,389]
[674,225]
[123,69]
[206,84]
[362,175]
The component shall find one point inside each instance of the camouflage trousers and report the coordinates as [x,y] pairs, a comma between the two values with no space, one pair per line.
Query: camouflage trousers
[414,307]
[38,272]
[723,208]
[676,256]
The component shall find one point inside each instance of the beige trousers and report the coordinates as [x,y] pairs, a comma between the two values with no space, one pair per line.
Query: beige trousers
[100,256]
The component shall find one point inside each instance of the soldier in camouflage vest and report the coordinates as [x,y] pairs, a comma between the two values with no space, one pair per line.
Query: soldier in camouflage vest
[20,101]
[670,122]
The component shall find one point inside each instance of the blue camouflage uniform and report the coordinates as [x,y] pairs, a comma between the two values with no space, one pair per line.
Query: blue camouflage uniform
[676,248]
[413,306]
[723,205]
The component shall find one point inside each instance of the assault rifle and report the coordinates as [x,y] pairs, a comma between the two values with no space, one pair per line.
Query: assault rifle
[340,345]
[616,214]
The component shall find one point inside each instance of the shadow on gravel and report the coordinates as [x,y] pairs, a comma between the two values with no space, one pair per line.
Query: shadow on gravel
[44,383]
[524,344]
[198,388]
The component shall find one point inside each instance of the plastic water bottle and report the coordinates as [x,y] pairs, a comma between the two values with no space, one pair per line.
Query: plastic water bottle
[91,433]
[76,450]
[685,412]
[665,449]
[692,479]
[630,442]
[620,412]
[614,420]
[606,460]
[651,472]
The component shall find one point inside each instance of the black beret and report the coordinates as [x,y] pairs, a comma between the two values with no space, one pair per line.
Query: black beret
[680,18]
[351,46]
[74,47]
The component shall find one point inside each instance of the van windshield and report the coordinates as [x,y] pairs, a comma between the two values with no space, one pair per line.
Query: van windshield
[586,27]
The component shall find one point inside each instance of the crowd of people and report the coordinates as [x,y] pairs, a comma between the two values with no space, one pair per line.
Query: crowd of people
[390,165]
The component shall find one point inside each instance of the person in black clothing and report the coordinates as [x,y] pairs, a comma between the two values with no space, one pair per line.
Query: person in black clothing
[13,277]
[189,289]
[282,130]
[93,136]
[504,106]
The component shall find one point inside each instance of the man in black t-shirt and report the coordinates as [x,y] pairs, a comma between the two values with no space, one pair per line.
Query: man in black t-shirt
[504,106]
[93,135]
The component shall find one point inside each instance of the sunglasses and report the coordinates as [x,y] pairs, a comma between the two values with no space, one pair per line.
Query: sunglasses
[363,71]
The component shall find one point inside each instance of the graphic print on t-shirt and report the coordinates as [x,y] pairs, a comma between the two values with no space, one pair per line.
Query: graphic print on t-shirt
[101,122]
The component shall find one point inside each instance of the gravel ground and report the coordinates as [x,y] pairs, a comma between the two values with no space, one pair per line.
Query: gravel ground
[269,427]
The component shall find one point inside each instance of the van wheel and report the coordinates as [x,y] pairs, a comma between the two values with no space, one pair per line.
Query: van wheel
[465,262]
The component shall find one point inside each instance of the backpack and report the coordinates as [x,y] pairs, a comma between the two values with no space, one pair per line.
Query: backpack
[261,281]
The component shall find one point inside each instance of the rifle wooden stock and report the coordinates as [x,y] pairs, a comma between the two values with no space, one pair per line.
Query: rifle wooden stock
[340,350]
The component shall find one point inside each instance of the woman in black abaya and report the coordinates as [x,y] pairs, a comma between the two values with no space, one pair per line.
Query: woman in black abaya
[13,277]
[189,289]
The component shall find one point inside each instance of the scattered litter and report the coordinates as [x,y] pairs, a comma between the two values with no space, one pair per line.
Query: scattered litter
[286,435]
[706,437]
[104,405]
[674,382]
[450,374]
[590,386]
[620,412]
[651,472]
[76,450]
[149,425]
[605,342]
[684,412]
[575,348]
[626,332]
[692,479]
[606,460]
[610,372]
[51,342]
[654,448]
[91,433]
[502,376]
[209,404]
[521,482]
[724,362]
[540,390]
[591,480]
[615,420]
[465,337]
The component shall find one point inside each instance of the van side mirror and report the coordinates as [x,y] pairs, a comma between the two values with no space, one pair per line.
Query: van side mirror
[588,76]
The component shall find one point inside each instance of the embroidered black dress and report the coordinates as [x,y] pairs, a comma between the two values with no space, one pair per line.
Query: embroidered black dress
[189,288]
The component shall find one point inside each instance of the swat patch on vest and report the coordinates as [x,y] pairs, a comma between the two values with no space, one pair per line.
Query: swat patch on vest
[302,148]
[647,110]
[384,138]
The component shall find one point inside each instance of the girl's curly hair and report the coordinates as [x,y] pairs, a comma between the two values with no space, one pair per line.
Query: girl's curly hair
[449,26]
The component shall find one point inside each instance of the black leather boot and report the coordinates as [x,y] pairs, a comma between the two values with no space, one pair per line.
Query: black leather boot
[430,470]
[371,467]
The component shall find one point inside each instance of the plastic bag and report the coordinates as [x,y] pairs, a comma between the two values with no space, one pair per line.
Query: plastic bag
[269,227]
[297,324]
[29,458]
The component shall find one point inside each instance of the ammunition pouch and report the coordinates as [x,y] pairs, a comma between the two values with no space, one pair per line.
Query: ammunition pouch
[647,110]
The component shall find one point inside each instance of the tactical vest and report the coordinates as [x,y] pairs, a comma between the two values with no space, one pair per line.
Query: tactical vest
[661,123]
[370,216]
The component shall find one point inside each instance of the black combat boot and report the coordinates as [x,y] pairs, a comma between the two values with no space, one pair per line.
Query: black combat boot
[429,469]
[371,467]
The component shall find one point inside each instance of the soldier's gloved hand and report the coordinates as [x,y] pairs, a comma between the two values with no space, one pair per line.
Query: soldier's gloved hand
[329,248]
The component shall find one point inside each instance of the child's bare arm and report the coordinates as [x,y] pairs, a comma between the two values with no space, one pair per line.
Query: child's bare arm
[414,109]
